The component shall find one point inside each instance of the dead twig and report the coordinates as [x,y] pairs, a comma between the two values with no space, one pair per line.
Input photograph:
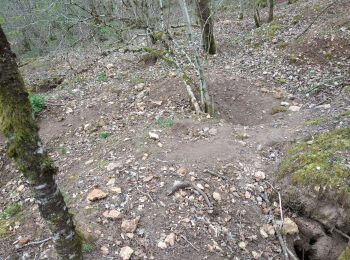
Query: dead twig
[215,174]
[277,229]
[342,234]
[39,242]
[184,238]
[181,185]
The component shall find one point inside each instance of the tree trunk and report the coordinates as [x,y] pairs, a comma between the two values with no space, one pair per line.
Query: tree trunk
[240,16]
[207,25]
[25,147]
[271,5]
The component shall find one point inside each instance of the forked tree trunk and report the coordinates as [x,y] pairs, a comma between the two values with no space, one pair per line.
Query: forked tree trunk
[207,25]
[271,6]
[25,147]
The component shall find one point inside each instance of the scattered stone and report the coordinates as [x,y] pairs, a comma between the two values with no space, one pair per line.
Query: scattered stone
[259,175]
[247,195]
[162,245]
[269,229]
[213,131]
[129,226]
[140,86]
[217,196]
[182,171]
[263,233]
[114,165]
[289,227]
[126,252]
[170,239]
[117,190]
[109,66]
[200,186]
[111,182]
[23,240]
[104,250]
[242,245]
[112,214]
[153,136]
[20,188]
[294,108]
[96,194]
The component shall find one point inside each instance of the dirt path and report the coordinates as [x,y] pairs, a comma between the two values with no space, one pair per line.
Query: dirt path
[97,131]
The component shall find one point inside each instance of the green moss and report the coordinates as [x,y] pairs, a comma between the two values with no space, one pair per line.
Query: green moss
[342,115]
[102,77]
[282,45]
[346,89]
[11,210]
[278,109]
[345,255]
[165,123]
[316,121]
[320,163]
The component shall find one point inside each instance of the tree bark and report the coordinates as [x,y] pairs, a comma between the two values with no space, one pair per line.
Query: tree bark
[271,6]
[240,16]
[207,25]
[25,147]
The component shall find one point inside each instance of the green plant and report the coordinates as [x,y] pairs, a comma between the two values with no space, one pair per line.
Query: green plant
[11,210]
[282,45]
[104,135]
[102,77]
[164,123]
[38,103]
[62,149]
[88,247]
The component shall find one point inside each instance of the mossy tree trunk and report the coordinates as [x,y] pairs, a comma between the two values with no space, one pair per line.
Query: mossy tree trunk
[207,25]
[25,147]
[271,6]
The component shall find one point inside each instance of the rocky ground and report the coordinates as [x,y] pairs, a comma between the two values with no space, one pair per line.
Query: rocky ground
[146,178]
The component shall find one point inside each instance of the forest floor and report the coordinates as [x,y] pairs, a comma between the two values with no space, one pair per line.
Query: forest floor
[97,129]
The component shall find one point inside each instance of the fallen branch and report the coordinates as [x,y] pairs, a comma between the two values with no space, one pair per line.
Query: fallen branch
[181,185]
[277,228]
[215,174]
[195,248]
[318,16]
[39,242]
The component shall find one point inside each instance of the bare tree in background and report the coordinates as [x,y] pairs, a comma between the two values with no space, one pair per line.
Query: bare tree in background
[207,25]
[25,147]
[271,6]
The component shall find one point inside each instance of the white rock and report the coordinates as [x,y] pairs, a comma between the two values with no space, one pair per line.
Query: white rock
[242,245]
[153,136]
[126,252]
[259,175]
[200,186]
[114,165]
[289,227]
[104,250]
[217,196]
[111,182]
[170,239]
[294,108]
[162,245]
